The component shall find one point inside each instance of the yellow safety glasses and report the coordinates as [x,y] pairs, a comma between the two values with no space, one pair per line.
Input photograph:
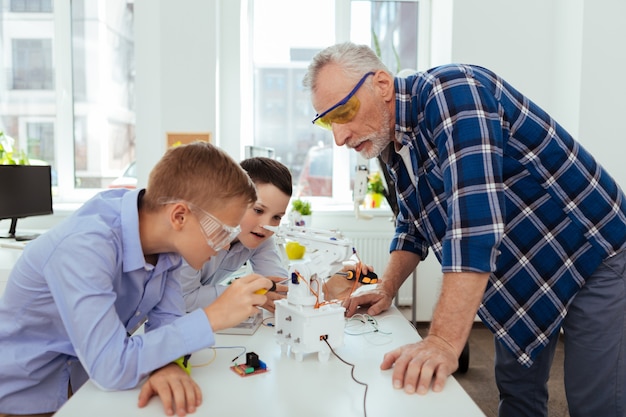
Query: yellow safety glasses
[342,112]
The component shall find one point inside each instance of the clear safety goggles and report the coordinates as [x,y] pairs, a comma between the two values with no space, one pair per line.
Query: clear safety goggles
[216,233]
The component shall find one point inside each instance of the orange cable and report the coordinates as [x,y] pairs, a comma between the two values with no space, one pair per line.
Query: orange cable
[300,277]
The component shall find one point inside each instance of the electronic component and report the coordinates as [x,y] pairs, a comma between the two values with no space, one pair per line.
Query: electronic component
[252,359]
[252,366]
[248,326]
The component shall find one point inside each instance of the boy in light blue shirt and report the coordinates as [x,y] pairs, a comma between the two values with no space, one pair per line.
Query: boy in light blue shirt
[79,291]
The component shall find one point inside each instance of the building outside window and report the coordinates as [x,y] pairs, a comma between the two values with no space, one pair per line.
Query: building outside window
[32,64]
[67,89]
[31,6]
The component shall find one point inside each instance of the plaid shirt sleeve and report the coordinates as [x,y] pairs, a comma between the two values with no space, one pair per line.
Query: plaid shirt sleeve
[464,121]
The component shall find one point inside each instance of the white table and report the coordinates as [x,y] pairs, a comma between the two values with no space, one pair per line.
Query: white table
[291,388]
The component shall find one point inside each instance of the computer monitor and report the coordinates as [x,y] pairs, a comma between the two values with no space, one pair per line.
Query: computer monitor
[25,190]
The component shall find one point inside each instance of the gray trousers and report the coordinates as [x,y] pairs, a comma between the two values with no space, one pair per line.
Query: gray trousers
[595,351]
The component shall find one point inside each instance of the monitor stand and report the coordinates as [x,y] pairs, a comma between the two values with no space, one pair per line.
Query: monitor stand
[18,238]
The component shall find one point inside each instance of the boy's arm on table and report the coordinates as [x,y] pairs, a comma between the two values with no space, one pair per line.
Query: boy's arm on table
[177,390]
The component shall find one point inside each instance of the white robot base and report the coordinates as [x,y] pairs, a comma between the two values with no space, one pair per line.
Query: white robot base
[302,329]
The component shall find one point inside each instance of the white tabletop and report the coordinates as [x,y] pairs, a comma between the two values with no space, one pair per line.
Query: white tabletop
[291,388]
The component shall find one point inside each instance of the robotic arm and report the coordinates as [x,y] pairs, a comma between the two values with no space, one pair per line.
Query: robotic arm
[304,324]
[326,252]
[327,249]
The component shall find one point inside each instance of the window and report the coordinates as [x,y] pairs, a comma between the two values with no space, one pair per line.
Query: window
[282,108]
[31,6]
[67,94]
[39,138]
[32,64]
[103,79]
[390,28]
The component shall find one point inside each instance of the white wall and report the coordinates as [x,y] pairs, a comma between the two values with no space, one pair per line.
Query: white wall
[602,89]
[176,46]
[566,68]
[512,38]
[563,54]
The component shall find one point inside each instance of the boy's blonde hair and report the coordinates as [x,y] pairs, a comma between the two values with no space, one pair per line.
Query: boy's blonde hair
[199,173]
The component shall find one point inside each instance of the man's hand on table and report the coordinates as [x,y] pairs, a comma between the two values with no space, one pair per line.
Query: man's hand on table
[418,365]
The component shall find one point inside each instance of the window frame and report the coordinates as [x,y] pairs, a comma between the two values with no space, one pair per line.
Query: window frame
[64,131]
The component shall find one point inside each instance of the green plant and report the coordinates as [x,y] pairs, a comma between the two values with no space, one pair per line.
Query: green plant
[378,52]
[375,184]
[302,207]
[8,155]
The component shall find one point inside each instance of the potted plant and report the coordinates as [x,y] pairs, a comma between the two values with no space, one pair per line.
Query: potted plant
[8,154]
[375,190]
[300,212]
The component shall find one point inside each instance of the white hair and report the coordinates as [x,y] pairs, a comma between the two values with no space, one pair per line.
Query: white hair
[355,60]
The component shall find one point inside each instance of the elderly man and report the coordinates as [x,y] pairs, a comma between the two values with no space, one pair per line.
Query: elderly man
[530,230]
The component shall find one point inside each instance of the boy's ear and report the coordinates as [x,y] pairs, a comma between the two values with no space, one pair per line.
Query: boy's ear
[178,215]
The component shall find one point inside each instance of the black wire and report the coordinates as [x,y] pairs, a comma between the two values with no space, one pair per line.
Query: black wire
[352,375]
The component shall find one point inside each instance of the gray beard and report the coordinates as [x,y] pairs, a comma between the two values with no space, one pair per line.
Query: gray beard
[379,139]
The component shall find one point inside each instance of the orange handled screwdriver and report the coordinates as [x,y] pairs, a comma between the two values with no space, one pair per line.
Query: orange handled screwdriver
[369,278]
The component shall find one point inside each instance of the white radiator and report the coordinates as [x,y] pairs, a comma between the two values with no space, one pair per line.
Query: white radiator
[373,250]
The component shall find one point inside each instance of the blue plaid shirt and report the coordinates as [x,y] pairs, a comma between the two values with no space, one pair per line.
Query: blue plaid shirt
[496,185]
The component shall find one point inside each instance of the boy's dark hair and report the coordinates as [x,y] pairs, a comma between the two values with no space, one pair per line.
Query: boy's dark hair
[268,171]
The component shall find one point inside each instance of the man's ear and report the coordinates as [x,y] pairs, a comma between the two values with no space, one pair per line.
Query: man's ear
[383,83]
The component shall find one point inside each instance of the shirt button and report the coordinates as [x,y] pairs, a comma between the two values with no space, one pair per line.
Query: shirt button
[137,314]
